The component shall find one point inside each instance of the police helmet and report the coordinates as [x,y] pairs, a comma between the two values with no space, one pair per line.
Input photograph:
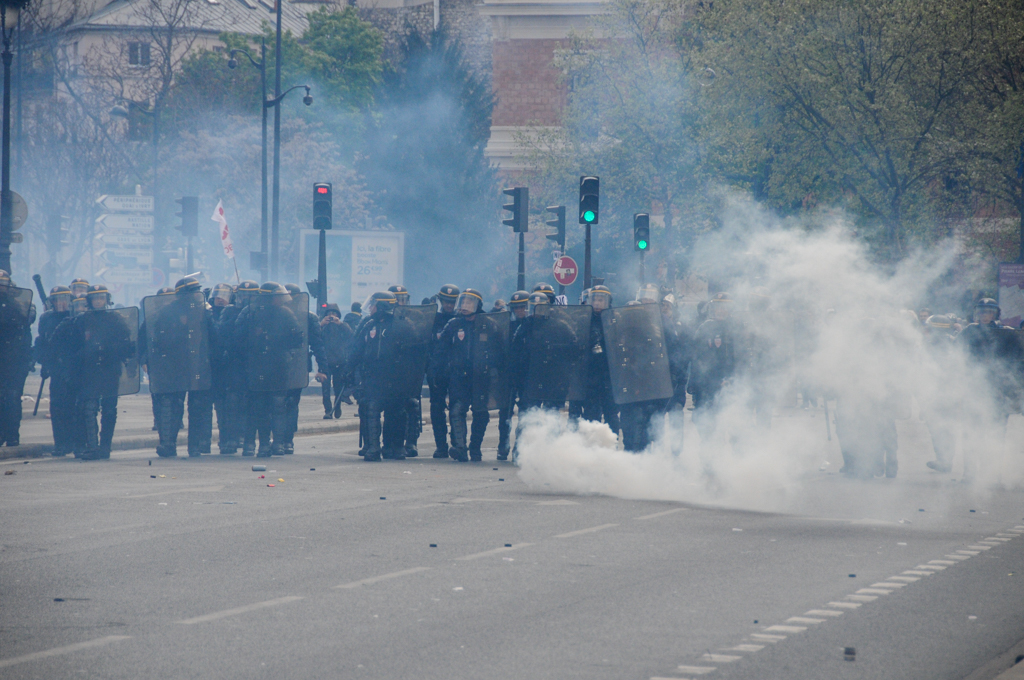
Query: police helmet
[600,298]
[449,292]
[986,305]
[292,288]
[79,304]
[648,293]
[187,285]
[5,278]
[246,289]
[536,299]
[470,302]
[383,303]
[585,296]
[401,294]
[547,289]
[272,288]
[98,291]
[166,290]
[60,290]
[941,322]
[79,287]
[221,293]
[59,295]
[520,298]
[720,305]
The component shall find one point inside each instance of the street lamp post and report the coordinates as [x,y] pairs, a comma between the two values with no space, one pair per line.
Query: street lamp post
[8,16]
[276,103]
[262,66]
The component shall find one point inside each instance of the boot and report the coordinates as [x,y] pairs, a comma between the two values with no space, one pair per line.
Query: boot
[475,455]
[441,453]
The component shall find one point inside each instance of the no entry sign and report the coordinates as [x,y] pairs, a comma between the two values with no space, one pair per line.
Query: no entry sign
[566,270]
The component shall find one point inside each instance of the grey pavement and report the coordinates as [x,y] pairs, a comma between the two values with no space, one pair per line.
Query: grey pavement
[141,567]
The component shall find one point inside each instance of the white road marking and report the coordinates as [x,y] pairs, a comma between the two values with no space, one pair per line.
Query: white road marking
[844,605]
[886,584]
[1013,535]
[720,658]
[382,577]
[786,629]
[997,538]
[991,544]
[745,648]
[661,514]
[979,547]
[930,566]
[822,612]
[185,490]
[873,591]
[66,649]
[698,670]
[918,572]
[905,579]
[1019,527]
[968,553]
[761,637]
[862,598]
[959,557]
[488,553]
[946,562]
[240,610]
[585,531]
[803,619]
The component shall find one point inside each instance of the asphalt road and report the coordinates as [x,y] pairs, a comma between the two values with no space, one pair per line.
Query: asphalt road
[147,568]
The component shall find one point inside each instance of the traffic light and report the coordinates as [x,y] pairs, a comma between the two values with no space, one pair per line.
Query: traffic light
[323,213]
[520,209]
[189,215]
[641,232]
[559,224]
[590,188]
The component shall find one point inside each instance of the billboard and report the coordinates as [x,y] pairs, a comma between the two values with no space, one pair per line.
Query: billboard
[1011,293]
[358,262]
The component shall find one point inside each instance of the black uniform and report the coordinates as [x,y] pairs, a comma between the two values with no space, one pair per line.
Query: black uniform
[316,349]
[228,367]
[337,338]
[505,414]
[453,357]
[599,403]
[16,350]
[62,400]
[438,383]
[375,354]
[714,363]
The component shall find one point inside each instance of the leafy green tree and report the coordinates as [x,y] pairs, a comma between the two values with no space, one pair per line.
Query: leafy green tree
[345,54]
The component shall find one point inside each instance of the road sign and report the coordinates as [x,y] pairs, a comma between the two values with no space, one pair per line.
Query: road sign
[126,203]
[138,277]
[566,270]
[19,212]
[127,222]
[127,239]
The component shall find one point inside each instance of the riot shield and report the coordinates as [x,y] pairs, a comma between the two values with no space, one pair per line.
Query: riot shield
[107,341]
[490,360]
[277,342]
[412,332]
[15,305]
[556,350]
[177,342]
[634,344]
[15,338]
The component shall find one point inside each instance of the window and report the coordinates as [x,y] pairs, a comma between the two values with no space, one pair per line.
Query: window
[138,53]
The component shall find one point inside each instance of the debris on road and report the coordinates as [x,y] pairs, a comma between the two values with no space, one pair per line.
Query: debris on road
[259,468]
[9,472]
[850,653]
[270,485]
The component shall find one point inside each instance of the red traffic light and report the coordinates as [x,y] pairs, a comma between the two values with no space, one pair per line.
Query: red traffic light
[321,190]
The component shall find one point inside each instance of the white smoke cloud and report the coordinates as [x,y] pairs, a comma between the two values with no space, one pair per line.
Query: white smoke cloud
[870,353]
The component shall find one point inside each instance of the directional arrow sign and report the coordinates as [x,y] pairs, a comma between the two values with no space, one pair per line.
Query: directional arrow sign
[126,203]
[126,222]
[130,276]
[127,239]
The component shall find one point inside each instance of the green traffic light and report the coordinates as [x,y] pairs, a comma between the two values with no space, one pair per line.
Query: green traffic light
[588,215]
[642,245]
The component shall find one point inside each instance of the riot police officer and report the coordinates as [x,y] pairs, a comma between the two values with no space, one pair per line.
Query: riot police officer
[316,350]
[337,338]
[414,406]
[79,288]
[438,382]
[996,356]
[518,308]
[17,313]
[454,353]
[375,352]
[229,371]
[599,403]
[62,405]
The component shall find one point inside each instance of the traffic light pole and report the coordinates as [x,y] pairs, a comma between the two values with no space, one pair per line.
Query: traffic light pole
[521,281]
[188,255]
[586,260]
[6,204]
[321,275]
[643,268]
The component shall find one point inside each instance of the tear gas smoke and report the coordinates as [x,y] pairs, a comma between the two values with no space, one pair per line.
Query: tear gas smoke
[837,325]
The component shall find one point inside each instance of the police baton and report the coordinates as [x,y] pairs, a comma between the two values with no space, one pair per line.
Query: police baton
[35,409]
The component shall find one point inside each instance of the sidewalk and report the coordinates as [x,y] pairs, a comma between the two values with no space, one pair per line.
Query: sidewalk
[135,422]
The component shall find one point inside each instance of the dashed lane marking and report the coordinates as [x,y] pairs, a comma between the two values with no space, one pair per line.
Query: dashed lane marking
[580,532]
[697,670]
[997,538]
[382,577]
[58,651]
[822,612]
[979,547]
[786,629]
[918,572]
[844,605]
[968,553]
[862,598]
[223,614]
[720,658]
[959,558]
[936,567]
[495,551]
[886,584]
[803,619]
[744,648]
[764,637]
[947,563]
[661,514]
[873,591]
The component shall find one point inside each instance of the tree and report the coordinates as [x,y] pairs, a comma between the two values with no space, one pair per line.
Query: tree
[344,53]
[423,157]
